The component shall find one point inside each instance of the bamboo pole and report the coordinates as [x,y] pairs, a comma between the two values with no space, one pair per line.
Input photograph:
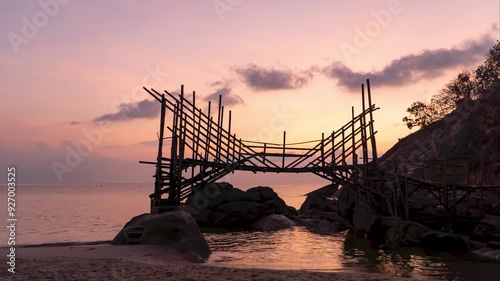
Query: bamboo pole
[284,149]
[323,150]
[264,154]
[173,155]
[363,128]
[219,111]
[158,179]
[372,130]
[446,210]
[193,155]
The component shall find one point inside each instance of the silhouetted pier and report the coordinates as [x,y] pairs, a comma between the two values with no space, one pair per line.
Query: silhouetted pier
[203,148]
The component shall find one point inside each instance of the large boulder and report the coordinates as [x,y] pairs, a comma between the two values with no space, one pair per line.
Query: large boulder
[266,195]
[239,213]
[488,229]
[402,231]
[321,226]
[175,228]
[322,222]
[222,205]
[346,203]
[366,221]
[273,222]
[321,199]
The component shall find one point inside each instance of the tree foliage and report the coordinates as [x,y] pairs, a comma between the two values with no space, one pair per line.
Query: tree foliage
[466,85]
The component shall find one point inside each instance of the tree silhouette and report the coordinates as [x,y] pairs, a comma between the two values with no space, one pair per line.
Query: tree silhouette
[466,85]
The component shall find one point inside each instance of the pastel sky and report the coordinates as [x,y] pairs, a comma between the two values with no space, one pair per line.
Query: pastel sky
[67,65]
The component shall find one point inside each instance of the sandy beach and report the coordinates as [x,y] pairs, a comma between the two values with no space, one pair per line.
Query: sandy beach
[145,262]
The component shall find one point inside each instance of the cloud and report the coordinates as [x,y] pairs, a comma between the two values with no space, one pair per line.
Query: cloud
[75,123]
[228,98]
[415,67]
[130,111]
[261,79]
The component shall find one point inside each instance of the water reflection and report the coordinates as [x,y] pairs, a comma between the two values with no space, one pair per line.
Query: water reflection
[299,249]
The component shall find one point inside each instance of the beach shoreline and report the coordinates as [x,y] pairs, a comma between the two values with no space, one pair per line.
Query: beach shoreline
[148,262]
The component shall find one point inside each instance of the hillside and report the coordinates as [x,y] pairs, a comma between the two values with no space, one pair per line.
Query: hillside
[468,138]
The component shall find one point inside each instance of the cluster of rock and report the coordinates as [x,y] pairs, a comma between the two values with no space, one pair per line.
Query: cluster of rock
[329,210]
[326,211]
[216,205]
[472,130]
[174,228]
[222,205]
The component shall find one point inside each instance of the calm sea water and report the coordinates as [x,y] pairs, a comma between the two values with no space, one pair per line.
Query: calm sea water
[91,212]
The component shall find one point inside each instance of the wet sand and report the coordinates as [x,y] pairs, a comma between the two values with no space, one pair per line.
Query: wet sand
[146,262]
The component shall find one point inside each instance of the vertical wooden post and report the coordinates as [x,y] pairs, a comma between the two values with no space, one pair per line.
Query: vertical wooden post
[195,141]
[481,186]
[159,166]
[446,210]
[467,190]
[406,205]
[209,131]
[198,139]
[229,130]
[363,129]
[209,137]
[333,155]
[239,152]
[173,155]
[323,150]
[219,135]
[372,130]
[230,154]
[344,160]
[182,146]
[219,110]
[354,156]
[284,149]
[454,190]
[264,154]
[233,150]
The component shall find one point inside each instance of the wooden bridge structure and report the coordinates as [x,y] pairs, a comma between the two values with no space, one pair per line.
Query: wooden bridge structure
[204,148]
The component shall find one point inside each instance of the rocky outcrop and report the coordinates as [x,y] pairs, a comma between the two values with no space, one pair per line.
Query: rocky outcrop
[273,222]
[267,196]
[403,231]
[472,130]
[365,220]
[222,205]
[488,229]
[321,200]
[488,253]
[346,203]
[239,213]
[322,222]
[175,228]
[320,213]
